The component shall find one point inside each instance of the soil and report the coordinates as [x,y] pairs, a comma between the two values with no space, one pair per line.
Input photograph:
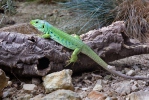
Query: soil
[83,82]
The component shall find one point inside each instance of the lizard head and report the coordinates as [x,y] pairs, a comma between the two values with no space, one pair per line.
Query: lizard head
[41,25]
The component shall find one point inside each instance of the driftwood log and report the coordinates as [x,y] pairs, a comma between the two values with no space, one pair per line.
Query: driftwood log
[30,55]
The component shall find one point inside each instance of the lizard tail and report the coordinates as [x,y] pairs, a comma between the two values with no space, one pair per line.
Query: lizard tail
[89,52]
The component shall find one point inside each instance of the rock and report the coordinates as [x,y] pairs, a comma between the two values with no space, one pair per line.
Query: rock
[27,97]
[84,89]
[15,85]
[95,95]
[3,80]
[23,97]
[62,95]
[9,83]
[107,77]
[5,94]
[130,73]
[37,97]
[108,98]
[58,80]
[123,87]
[136,68]
[98,86]
[83,94]
[126,70]
[105,81]
[8,92]
[114,98]
[134,87]
[140,95]
[29,87]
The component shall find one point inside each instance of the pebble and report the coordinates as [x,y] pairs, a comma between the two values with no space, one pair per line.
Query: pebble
[98,86]
[95,95]
[62,95]
[9,83]
[23,97]
[136,68]
[5,94]
[134,87]
[107,77]
[130,73]
[126,70]
[140,95]
[108,98]
[105,81]
[84,89]
[83,94]
[29,87]
[123,87]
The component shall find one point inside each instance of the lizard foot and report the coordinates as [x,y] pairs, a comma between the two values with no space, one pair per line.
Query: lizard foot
[68,63]
[72,60]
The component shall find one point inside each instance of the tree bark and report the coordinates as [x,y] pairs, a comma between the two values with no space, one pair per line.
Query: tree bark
[30,55]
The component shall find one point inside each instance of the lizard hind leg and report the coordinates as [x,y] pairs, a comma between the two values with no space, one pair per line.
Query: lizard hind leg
[46,35]
[74,56]
[77,36]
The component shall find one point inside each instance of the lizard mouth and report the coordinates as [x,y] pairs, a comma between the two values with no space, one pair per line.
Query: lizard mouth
[31,22]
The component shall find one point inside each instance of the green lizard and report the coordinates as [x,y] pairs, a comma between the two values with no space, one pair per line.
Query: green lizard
[75,44]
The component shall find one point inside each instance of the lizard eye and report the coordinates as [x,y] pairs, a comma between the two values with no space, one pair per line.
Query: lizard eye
[43,26]
[36,21]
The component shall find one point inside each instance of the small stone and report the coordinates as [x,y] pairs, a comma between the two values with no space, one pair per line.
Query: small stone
[5,94]
[27,96]
[76,88]
[23,97]
[83,94]
[140,95]
[98,86]
[29,87]
[136,68]
[130,73]
[95,95]
[37,97]
[58,80]
[84,89]
[62,95]
[123,87]
[108,98]
[126,70]
[107,77]
[9,83]
[114,98]
[105,81]
[134,87]
[15,85]
[147,75]
[97,76]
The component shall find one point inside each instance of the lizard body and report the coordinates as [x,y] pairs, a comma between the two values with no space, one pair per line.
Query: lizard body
[76,44]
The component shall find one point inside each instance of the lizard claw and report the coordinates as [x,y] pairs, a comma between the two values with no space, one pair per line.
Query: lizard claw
[68,62]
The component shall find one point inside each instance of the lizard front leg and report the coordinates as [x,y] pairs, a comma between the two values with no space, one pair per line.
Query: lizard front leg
[74,56]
